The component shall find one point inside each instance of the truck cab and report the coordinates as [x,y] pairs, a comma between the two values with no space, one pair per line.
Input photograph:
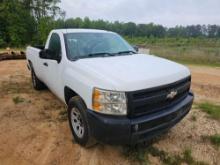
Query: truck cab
[113,93]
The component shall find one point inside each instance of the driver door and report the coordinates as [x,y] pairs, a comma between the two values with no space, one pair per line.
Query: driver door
[52,75]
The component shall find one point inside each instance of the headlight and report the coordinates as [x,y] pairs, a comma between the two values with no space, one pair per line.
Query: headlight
[109,102]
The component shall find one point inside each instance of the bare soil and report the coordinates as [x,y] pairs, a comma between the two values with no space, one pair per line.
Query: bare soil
[34,128]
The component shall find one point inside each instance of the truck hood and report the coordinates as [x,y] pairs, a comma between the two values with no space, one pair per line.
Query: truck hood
[133,72]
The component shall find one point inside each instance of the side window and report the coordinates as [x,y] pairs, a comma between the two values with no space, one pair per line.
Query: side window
[55,44]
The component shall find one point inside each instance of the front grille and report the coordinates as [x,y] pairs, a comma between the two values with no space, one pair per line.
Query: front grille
[152,100]
[164,120]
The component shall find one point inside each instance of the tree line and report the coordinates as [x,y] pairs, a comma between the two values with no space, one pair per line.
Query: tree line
[29,22]
[21,20]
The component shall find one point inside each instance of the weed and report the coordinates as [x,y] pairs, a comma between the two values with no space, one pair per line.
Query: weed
[214,139]
[62,115]
[18,100]
[136,154]
[63,112]
[187,156]
[211,109]
[15,87]
[193,118]
[141,155]
[184,50]
[175,159]
[46,115]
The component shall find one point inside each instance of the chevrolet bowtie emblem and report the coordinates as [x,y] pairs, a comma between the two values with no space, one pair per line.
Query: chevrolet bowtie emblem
[172,94]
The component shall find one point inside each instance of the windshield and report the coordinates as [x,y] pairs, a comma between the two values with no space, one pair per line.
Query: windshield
[86,45]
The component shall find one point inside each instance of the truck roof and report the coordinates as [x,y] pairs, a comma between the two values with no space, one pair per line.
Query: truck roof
[80,31]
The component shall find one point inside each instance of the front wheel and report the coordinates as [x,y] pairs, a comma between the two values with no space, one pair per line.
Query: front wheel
[78,122]
[37,84]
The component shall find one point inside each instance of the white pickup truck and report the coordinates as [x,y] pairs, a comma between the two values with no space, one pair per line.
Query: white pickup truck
[113,93]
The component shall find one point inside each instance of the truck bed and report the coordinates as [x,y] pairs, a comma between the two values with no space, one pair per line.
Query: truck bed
[32,55]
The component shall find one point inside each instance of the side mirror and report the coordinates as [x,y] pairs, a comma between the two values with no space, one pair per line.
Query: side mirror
[136,48]
[43,54]
[49,54]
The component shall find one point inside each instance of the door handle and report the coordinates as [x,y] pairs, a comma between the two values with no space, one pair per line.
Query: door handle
[45,64]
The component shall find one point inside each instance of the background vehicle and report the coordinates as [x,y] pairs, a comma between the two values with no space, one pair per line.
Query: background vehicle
[114,94]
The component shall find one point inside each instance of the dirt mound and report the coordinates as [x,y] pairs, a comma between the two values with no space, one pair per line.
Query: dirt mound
[12,55]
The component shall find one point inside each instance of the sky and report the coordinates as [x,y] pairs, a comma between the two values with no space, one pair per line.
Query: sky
[164,12]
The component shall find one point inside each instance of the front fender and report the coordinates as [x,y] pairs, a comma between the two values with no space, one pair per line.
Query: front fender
[80,84]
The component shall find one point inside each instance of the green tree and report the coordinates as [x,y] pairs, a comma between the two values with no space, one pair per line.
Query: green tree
[22,20]
[17,24]
[29,21]
[45,8]
[129,29]
[45,25]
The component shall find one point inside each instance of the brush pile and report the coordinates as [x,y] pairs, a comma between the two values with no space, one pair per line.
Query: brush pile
[12,55]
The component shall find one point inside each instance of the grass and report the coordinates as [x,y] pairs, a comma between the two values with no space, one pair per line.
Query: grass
[63,115]
[214,139]
[211,109]
[193,118]
[197,51]
[13,86]
[18,100]
[189,55]
[45,114]
[140,154]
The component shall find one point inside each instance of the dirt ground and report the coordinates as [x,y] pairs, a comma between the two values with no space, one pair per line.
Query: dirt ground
[34,129]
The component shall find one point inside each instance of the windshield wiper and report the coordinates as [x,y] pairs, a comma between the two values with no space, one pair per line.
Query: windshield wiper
[102,54]
[127,52]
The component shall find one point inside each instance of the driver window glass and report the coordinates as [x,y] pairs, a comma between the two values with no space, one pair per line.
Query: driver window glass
[55,45]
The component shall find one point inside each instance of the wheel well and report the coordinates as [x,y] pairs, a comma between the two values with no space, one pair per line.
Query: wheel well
[69,93]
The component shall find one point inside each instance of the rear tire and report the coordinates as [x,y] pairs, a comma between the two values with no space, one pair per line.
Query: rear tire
[79,123]
[37,84]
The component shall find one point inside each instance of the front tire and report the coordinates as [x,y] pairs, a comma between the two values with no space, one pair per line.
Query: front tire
[79,123]
[37,84]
